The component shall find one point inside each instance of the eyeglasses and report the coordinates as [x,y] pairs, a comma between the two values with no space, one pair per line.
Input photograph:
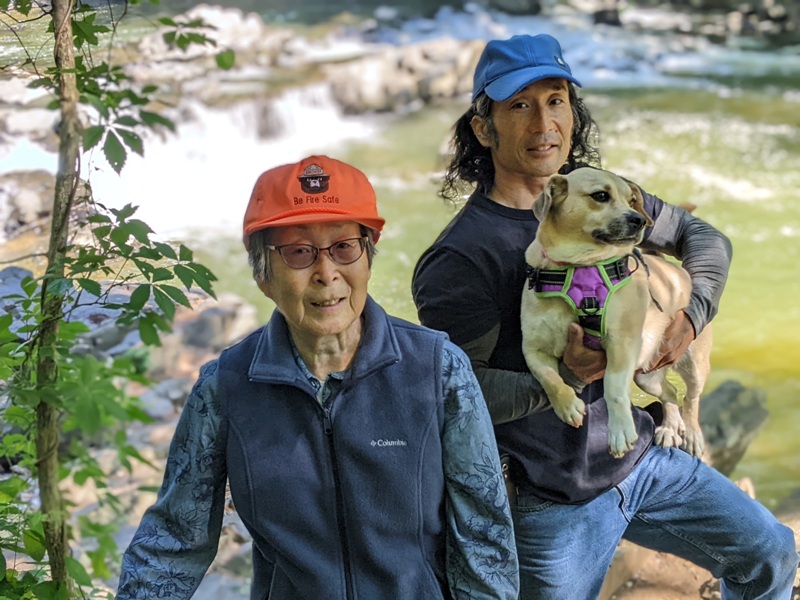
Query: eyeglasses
[302,256]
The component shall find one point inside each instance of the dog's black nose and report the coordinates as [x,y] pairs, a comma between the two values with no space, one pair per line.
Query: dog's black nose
[635,220]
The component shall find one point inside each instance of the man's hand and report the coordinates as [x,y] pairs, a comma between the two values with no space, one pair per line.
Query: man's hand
[677,338]
[587,364]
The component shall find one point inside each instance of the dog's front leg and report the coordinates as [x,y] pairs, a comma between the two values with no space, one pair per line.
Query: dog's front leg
[566,403]
[617,383]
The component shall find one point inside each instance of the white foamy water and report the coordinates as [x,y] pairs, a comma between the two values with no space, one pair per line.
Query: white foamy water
[202,177]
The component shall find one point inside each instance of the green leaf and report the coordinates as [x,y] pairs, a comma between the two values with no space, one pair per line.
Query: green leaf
[87,413]
[148,332]
[102,231]
[34,544]
[139,230]
[114,151]
[226,59]
[29,285]
[96,102]
[125,212]
[128,122]
[166,250]
[152,119]
[10,488]
[148,253]
[139,297]
[185,254]
[185,275]
[90,286]
[119,237]
[132,140]
[176,294]
[92,136]
[5,328]
[164,302]
[78,572]
[161,274]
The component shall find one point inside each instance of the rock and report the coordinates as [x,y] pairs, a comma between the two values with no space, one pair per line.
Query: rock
[731,416]
[518,7]
[26,198]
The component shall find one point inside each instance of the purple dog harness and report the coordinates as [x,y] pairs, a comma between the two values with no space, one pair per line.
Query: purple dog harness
[586,289]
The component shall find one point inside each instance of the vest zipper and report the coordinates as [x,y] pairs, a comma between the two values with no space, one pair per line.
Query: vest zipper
[348,577]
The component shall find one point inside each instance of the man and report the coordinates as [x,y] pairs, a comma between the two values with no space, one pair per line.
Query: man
[574,500]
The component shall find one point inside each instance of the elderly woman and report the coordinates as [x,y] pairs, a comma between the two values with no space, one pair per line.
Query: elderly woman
[358,447]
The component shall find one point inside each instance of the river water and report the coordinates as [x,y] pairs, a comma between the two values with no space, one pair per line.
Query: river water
[715,126]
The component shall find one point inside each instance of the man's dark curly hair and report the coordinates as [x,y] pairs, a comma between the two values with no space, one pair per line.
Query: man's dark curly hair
[471,163]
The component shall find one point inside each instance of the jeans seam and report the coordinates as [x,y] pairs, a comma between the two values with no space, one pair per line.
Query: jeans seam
[701,547]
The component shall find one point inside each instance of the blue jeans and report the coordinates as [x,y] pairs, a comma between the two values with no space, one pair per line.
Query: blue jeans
[671,502]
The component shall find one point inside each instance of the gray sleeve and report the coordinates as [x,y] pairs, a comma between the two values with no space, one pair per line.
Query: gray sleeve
[704,252]
[509,395]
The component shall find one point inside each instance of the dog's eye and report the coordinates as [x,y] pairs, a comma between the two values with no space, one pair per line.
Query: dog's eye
[601,196]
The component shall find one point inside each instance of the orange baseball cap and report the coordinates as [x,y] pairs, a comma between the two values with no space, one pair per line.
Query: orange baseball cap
[317,189]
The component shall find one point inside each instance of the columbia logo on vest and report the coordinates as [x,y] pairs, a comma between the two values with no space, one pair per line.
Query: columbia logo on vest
[385,443]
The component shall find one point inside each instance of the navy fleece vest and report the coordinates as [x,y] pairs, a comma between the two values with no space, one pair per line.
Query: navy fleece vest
[345,501]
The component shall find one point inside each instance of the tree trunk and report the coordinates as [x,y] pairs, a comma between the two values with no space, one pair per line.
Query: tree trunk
[47,413]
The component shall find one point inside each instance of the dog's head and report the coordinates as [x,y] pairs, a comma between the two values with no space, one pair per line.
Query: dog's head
[591,206]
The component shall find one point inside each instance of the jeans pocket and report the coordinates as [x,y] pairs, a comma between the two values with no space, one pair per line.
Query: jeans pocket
[531,504]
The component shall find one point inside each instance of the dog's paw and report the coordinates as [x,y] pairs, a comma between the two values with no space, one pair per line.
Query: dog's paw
[571,411]
[667,437]
[693,442]
[621,441]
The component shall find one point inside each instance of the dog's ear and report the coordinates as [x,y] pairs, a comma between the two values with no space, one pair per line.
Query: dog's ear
[556,189]
[541,206]
[637,204]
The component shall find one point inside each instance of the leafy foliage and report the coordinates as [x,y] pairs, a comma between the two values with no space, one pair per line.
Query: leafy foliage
[125,270]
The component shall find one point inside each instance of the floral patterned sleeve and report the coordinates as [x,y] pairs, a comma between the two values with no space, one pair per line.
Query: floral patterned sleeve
[178,536]
[481,556]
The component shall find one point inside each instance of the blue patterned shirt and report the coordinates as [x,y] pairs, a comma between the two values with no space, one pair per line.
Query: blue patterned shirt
[178,536]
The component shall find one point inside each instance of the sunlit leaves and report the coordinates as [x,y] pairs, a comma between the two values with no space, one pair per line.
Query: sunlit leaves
[137,284]
[22,6]
[84,28]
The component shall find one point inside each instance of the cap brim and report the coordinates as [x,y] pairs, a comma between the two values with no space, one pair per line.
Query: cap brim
[504,87]
[310,217]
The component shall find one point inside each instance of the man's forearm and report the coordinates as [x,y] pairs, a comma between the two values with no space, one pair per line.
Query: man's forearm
[509,395]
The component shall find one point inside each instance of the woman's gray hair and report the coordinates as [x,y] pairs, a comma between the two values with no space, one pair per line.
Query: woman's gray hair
[258,254]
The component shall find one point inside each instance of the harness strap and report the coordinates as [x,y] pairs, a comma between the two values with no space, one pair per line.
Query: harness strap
[585,288]
[617,269]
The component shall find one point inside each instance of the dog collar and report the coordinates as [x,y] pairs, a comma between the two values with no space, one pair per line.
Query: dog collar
[585,288]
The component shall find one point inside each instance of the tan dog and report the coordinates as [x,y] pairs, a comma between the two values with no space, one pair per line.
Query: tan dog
[592,217]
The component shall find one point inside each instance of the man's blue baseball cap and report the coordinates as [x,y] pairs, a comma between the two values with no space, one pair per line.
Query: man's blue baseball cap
[507,66]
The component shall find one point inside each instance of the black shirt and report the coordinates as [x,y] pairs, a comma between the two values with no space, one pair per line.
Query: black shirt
[467,284]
